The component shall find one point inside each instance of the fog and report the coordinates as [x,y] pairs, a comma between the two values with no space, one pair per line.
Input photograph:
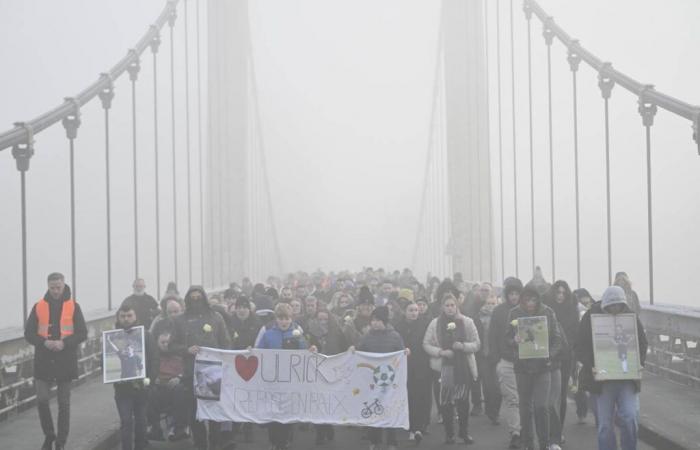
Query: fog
[345,89]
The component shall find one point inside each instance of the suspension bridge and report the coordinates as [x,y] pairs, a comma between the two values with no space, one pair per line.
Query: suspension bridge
[177,186]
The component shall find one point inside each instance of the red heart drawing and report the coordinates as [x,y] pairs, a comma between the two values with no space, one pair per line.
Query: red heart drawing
[246,366]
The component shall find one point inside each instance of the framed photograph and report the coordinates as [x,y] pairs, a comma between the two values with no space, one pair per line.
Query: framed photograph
[534,337]
[615,347]
[207,379]
[123,355]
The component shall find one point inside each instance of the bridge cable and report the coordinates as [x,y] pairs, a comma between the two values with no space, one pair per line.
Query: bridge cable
[574,60]
[171,23]
[133,69]
[606,83]
[155,44]
[515,168]
[106,95]
[187,145]
[528,16]
[648,110]
[22,154]
[549,37]
[71,123]
[500,136]
[490,199]
[199,148]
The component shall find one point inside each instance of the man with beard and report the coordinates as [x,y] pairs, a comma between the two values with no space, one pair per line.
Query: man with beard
[146,307]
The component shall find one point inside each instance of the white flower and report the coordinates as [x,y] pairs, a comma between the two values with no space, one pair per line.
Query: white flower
[451,326]
[296,333]
[235,335]
[146,382]
[207,328]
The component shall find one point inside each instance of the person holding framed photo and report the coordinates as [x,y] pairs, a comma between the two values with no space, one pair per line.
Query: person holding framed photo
[606,375]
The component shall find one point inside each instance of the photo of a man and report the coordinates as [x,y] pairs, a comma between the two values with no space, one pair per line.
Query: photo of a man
[123,354]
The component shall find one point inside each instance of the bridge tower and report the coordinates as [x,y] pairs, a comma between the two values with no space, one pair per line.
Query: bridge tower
[467,132]
[228,122]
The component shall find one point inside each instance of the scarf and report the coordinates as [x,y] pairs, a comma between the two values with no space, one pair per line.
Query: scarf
[458,363]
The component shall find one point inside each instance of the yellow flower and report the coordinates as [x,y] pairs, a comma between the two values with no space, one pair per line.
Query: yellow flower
[207,328]
[514,322]
[451,326]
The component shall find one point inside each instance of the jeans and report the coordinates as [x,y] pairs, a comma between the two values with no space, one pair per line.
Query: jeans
[131,404]
[375,436]
[171,400]
[509,392]
[617,404]
[533,391]
[555,422]
[43,394]
[566,369]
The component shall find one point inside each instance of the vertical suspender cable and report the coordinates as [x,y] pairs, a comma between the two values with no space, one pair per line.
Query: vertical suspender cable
[155,43]
[549,37]
[500,135]
[515,167]
[199,149]
[606,84]
[574,60]
[71,124]
[648,111]
[490,204]
[171,23]
[480,241]
[528,16]
[133,70]
[106,96]
[187,144]
[22,154]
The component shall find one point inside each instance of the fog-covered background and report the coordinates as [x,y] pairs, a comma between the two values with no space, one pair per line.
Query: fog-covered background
[345,90]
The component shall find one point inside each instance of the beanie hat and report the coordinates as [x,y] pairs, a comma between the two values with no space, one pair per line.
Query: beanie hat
[407,294]
[613,295]
[381,313]
[243,302]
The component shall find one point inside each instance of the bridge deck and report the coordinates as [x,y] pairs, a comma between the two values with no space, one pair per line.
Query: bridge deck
[94,424]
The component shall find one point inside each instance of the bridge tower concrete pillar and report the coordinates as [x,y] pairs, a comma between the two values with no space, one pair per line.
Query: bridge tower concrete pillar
[467,130]
[228,41]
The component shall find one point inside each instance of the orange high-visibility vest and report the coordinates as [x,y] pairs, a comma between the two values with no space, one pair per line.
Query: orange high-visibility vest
[43,313]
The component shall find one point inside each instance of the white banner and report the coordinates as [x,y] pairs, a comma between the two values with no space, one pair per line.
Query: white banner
[260,386]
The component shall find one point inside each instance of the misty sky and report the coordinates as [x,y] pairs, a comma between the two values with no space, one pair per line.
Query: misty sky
[345,90]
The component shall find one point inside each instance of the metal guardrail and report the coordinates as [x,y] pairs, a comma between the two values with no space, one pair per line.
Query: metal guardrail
[646,92]
[673,333]
[24,131]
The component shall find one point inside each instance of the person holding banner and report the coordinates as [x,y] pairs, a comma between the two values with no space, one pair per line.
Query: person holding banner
[381,338]
[287,335]
[199,326]
[615,401]
[452,340]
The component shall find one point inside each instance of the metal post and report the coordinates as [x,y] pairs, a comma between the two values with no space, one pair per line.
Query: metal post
[22,154]
[106,95]
[574,60]
[71,123]
[648,110]
[606,83]
[528,16]
[548,38]
[171,24]
[133,70]
[155,44]
[500,135]
[199,148]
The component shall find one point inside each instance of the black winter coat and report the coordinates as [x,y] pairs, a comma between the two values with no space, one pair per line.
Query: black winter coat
[556,341]
[152,363]
[412,334]
[498,333]
[50,365]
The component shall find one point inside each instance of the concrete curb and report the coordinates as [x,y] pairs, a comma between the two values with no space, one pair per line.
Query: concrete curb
[105,441]
[653,436]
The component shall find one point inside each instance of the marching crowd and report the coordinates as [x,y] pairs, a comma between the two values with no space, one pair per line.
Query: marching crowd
[461,340]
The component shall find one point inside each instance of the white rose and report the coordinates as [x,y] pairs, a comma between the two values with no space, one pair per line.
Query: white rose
[451,326]
[207,328]
[146,382]
[296,333]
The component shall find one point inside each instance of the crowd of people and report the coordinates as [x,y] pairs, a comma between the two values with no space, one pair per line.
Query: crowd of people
[461,340]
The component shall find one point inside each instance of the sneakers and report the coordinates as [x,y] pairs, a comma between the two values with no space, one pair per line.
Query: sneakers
[411,436]
[418,436]
[515,441]
[178,434]
[554,447]
[468,440]
[155,434]
[449,440]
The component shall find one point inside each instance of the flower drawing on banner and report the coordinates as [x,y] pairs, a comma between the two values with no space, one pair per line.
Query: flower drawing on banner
[355,391]
[207,328]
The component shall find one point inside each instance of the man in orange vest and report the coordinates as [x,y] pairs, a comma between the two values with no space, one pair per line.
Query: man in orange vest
[55,328]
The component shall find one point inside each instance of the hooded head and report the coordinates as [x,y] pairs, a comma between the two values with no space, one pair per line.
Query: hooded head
[511,284]
[196,298]
[530,299]
[613,295]
[380,314]
[365,295]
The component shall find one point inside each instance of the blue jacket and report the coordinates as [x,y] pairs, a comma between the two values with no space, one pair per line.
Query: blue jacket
[276,338]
